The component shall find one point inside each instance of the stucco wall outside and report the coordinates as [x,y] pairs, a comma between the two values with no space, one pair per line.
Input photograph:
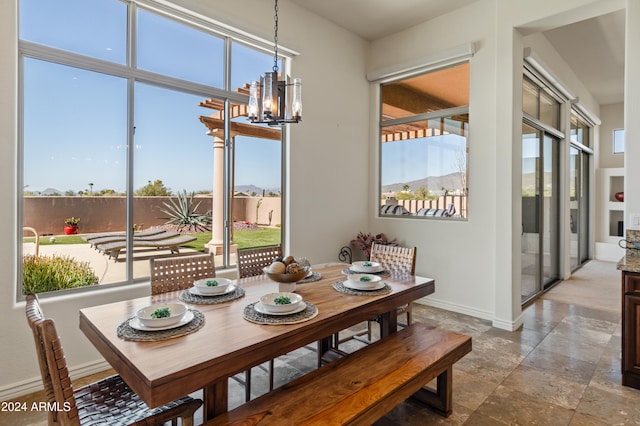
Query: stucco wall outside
[105,214]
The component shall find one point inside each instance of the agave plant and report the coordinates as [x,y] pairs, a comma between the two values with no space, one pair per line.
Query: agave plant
[184,213]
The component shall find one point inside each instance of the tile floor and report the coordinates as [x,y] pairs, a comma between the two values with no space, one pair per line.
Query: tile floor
[561,368]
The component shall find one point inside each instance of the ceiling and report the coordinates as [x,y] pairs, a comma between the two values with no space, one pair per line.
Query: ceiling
[593,48]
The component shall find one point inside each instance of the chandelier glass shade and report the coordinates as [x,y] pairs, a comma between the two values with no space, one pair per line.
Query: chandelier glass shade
[275,99]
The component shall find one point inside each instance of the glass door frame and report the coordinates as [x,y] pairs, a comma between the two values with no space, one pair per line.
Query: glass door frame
[545,132]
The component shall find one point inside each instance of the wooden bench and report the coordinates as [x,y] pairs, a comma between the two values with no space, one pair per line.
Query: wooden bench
[360,388]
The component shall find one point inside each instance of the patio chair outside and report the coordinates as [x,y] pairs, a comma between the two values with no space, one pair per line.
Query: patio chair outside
[108,402]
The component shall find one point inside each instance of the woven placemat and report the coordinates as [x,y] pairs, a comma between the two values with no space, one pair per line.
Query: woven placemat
[315,276]
[126,332]
[339,286]
[187,297]
[349,271]
[251,315]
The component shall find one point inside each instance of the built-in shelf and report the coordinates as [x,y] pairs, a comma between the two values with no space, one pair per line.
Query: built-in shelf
[610,213]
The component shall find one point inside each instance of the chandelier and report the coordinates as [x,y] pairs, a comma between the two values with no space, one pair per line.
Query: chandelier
[275,101]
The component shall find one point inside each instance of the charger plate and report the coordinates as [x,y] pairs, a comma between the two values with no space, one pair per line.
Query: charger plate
[188,297]
[126,332]
[340,287]
[251,315]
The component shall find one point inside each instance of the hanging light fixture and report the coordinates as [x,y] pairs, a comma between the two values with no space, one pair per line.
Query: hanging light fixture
[274,101]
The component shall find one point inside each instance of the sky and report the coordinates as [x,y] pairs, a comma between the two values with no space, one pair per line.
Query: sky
[75,121]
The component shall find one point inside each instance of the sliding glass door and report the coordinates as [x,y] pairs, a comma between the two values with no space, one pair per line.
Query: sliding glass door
[540,211]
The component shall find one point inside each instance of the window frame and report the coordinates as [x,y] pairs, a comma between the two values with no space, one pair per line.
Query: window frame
[427,116]
[129,72]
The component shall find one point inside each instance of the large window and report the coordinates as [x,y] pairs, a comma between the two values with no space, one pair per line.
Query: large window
[123,126]
[424,130]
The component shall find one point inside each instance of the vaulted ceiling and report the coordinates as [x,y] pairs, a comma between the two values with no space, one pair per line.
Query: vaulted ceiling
[593,48]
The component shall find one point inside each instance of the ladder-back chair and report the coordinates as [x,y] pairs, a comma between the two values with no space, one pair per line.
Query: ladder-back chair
[398,261]
[108,402]
[250,263]
[179,273]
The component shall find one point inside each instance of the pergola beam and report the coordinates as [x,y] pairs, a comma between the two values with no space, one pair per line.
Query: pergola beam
[216,127]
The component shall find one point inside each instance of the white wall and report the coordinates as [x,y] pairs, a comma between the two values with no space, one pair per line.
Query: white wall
[476,263]
[326,152]
[460,255]
[612,117]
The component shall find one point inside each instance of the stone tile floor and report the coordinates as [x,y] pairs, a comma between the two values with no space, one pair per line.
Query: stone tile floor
[561,368]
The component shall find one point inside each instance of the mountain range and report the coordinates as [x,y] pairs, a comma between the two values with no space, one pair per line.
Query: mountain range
[451,181]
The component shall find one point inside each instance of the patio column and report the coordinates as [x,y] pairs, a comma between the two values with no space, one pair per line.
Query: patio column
[217,210]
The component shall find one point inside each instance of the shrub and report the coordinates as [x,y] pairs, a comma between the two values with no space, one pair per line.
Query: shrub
[41,274]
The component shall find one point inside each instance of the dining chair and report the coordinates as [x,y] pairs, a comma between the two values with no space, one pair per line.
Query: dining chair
[250,263]
[179,273]
[398,261]
[107,402]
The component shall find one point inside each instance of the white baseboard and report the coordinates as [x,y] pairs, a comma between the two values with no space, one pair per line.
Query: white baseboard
[14,391]
[508,325]
[461,309]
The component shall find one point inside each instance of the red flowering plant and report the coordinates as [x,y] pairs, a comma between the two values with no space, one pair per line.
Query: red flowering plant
[364,241]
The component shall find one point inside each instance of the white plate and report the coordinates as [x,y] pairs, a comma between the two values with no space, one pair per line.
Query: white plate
[223,284]
[259,307]
[196,291]
[186,319]
[356,286]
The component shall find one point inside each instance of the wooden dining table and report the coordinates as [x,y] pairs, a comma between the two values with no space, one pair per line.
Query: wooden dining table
[164,370]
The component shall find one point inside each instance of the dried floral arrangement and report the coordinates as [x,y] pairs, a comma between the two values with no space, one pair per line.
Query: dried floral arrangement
[363,241]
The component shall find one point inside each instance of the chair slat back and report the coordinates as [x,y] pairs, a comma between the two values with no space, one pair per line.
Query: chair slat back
[53,365]
[398,260]
[251,261]
[179,273]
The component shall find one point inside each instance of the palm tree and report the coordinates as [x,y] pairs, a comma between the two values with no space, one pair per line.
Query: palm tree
[91,188]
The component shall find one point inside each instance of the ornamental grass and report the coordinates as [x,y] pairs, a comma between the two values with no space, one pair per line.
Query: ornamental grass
[41,274]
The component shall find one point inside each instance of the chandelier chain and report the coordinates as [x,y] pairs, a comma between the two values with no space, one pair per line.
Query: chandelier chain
[275,38]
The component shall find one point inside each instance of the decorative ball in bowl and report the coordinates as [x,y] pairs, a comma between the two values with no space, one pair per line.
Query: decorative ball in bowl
[287,278]
[212,285]
[280,302]
[161,315]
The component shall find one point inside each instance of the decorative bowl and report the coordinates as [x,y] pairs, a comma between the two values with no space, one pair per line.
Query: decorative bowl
[287,278]
[366,266]
[175,310]
[269,302]
[619,196]
[364,279]
[220,287]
